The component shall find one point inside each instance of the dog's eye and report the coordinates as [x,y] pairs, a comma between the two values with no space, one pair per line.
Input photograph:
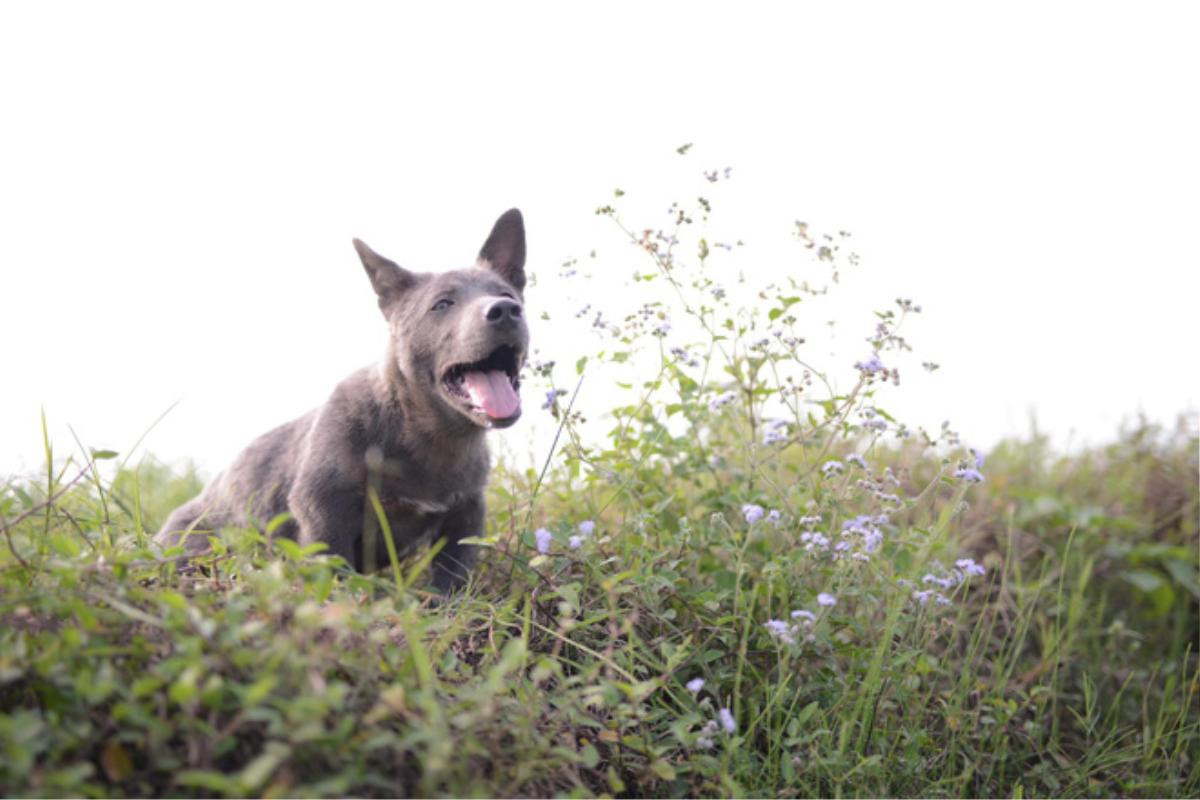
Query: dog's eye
[443,304]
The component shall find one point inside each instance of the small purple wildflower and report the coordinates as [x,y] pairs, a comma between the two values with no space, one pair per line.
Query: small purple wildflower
[727,721]
[695,685]
[753,513]
[774,517]
[543,538]
[969,475]
[780,630]
[969,566]
[948,582]
[704,739]
[805,615]
[832,468]
[575,542]
[858,460]
[774,430]
[586,527]
[814,539]
[922,597]
[871,365]
[978,458]
[721,400]
[826,599]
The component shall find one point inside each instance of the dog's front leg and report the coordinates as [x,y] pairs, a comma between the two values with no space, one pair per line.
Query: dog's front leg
[453,562]
[331,513]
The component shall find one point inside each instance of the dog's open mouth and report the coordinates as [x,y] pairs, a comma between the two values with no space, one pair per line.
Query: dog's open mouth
[489,386]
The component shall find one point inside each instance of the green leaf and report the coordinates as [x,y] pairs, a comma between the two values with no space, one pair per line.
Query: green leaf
[1183,573]
[288,548]
[202,779]
[588,756]
[103,455]
[276,521]
[1146,581]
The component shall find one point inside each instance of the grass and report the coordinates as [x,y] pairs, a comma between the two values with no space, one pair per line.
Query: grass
[634,656]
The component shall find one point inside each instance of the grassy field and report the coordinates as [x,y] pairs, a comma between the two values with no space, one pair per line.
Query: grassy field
[750,584]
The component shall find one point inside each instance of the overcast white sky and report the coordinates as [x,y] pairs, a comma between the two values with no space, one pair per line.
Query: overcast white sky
[179,186]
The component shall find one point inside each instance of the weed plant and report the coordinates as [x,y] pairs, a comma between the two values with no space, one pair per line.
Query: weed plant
[752,583]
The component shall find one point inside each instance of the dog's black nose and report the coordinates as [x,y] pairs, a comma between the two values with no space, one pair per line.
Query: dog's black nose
[504,310]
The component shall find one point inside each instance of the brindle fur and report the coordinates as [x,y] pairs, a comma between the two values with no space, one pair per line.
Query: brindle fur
[391,425]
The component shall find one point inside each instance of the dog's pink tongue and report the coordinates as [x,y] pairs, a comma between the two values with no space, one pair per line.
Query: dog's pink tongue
[493,392]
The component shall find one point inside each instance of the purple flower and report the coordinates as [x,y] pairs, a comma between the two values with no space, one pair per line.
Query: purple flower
[871,365]
[774,430]
[774,517]
[813,539]
[857,459]
[575,542]
[978,458]
[704,739]
[543,538]
[832,467]
[727,721]
[969,475]
[695,685]
[826,599]
[753,513]
[969,566]
[805,615]
[780,630]
[721,400]
[922,597]
[586,527]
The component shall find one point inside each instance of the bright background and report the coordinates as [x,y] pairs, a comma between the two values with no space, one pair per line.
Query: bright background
[179,184]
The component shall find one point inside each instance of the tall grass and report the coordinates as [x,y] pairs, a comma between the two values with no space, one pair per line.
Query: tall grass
[752,584]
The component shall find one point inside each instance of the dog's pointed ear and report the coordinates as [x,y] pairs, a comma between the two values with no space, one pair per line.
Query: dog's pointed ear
[388,278]
[504,250]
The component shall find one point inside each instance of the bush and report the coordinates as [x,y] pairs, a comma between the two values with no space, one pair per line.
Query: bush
[751,582]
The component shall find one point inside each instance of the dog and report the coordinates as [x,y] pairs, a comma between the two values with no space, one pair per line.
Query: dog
[410,429]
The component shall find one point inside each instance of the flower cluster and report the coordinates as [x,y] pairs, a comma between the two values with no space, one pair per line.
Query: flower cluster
[872,368]
[586,528]
[543,538]
[813,540]
[879,487]
[802,622]
[724,721]
[552,396]
[946,579]
[969,474]
[867,528]
[754,512]
[774,431]
[872,421]
[684,357]
[723,399]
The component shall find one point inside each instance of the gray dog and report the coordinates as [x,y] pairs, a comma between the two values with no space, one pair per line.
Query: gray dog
[412,427]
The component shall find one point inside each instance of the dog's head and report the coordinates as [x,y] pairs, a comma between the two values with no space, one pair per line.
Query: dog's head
[460,336]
